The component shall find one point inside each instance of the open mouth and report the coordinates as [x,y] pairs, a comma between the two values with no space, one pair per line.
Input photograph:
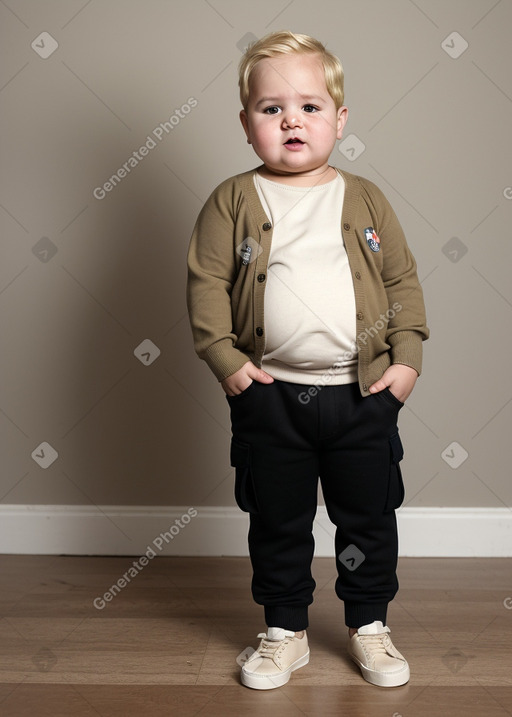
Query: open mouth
[294,140]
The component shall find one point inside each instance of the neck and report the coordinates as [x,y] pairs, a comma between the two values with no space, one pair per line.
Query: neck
[300,180]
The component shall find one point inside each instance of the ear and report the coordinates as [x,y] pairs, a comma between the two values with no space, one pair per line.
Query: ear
[341,121]
[245,124]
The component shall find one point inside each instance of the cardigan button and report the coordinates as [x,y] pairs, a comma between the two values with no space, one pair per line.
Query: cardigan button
[365,387]
[346,227]
[358,275]
[360,316]
[266,226]
[261,278]
[259,331]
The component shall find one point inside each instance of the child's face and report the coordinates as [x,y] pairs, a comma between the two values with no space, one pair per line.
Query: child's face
[288,100]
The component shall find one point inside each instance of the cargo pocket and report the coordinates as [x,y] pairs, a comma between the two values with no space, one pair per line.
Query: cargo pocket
[245,494]
[396,490]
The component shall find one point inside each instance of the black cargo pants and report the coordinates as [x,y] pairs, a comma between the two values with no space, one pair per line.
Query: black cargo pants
[285,437]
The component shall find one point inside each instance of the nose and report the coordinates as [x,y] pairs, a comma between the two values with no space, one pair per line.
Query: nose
[291,118]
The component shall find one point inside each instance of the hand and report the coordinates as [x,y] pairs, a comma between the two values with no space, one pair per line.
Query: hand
[400,380]
[242,379]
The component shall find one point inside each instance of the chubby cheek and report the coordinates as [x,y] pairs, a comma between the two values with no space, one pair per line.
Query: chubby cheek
[264,141]
[326,131]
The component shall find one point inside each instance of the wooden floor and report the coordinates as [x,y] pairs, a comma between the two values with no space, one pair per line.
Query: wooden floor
[167,643]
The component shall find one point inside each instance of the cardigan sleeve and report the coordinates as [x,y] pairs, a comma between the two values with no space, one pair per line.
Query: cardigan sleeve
[212,266]
[407,327]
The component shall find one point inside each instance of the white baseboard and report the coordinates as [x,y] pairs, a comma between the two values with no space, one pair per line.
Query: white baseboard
[213,531]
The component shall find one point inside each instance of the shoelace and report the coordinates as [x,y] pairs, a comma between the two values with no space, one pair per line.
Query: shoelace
[268,647]
[374,643]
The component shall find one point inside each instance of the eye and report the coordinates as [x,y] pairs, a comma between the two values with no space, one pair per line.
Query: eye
[310,108]
[271,110]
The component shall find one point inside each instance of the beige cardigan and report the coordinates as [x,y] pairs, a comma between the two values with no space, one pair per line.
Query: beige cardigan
[226,287]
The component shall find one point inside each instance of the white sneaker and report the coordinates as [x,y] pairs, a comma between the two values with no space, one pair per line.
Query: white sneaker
[279,654]
[379,660]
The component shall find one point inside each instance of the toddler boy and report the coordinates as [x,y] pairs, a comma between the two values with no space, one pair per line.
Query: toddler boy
[305,303]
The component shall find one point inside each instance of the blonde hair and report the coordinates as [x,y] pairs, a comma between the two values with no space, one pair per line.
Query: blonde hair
[287,43]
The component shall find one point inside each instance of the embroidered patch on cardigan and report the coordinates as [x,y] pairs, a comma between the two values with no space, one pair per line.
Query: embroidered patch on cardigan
[372,239]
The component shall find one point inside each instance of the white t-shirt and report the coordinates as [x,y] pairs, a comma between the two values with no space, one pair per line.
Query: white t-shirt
[310,315]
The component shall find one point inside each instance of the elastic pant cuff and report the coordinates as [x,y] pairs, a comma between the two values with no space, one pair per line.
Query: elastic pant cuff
[358,614]
[288,617]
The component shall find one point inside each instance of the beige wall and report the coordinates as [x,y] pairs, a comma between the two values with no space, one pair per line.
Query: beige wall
[437,136]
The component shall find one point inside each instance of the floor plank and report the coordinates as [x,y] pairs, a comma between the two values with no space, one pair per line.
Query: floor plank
[167,642]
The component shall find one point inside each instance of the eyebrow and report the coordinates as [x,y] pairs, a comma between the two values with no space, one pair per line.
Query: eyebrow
[309,98]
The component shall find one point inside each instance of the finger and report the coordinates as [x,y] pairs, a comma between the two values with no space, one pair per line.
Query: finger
[258,374]
[379,385]
[264,377]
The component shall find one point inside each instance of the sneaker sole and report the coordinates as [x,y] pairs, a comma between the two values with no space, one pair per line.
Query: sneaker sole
[386,679]
[263,682]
